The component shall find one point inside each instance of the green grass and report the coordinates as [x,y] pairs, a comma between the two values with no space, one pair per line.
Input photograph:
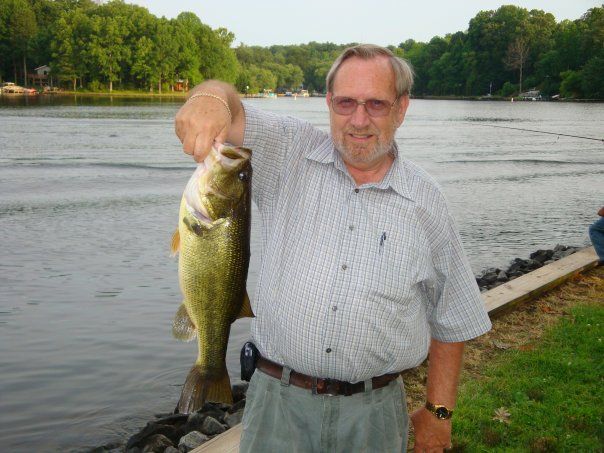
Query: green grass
[554,393]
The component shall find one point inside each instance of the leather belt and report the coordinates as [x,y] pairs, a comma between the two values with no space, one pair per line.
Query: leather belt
[323,386]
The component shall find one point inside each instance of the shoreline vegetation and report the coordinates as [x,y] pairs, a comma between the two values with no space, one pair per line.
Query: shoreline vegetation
[183,95]
[102,46]
[501,418]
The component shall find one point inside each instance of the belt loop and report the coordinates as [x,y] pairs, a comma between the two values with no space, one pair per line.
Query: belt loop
[285,376]
[368,385]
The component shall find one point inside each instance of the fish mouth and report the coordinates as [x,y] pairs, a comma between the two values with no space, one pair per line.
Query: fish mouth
[191,195]
[230,159]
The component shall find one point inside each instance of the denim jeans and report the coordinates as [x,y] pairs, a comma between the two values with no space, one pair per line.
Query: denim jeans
[283,418]
[596,234]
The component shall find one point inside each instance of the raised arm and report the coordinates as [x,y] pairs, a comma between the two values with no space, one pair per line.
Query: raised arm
[205,119]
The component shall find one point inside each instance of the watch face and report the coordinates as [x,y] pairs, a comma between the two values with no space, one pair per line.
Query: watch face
[442,413]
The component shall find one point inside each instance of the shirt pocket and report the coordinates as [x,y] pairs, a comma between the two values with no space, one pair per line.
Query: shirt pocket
[399,262]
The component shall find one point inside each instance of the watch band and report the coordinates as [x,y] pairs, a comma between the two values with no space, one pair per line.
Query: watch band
[441,412]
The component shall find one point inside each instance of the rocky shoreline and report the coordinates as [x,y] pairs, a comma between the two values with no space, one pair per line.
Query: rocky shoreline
[492,277]
[181,433]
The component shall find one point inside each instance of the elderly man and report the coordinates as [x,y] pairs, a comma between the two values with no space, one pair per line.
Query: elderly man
[362,269]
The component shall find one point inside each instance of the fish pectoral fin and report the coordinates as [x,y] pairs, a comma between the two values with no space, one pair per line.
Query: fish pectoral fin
[183,328]
[246,308]
[175,246]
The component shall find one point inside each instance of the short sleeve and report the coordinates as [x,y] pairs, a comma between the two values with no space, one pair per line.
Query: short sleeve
[457,311]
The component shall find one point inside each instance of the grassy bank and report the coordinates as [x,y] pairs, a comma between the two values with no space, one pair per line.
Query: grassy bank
[533,384]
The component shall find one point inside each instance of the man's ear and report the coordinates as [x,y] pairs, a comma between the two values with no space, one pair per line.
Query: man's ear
[403,103]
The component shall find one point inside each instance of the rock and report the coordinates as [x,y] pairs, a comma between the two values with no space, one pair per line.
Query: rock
[211,426]
[139,439]
[516,267]
[171,450]
[533,264]
[195,422]
[234,418]
[213,410]
[134,450]
[541,255]
[157,444]
[191,441]
[562,254]
[237,406]
[502,277]
[173,419]
[224,407]
[560,248]
[239,391]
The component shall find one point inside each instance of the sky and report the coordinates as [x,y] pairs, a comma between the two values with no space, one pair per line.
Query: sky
[383,22]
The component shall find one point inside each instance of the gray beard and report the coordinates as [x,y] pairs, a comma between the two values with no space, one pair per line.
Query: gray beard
[364,156]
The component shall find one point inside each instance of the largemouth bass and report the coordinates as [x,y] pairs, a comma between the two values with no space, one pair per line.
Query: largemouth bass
[213,240]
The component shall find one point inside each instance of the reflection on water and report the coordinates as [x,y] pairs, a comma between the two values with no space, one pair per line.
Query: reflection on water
[89,193]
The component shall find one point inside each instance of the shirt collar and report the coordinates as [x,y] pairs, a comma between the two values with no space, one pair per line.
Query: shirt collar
[395,178]
[324,153]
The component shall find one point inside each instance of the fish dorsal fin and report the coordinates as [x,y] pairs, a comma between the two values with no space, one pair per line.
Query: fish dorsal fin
[246,308]
[175,246]
[182,327]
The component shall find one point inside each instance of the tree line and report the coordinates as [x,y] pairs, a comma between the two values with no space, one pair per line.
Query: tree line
[119,45]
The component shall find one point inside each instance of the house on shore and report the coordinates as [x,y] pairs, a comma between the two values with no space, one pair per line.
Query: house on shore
[41,76]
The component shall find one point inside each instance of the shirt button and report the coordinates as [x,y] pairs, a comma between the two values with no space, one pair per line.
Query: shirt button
[344,267]
[351,227]
[356,190]
[334,308]
[328,350]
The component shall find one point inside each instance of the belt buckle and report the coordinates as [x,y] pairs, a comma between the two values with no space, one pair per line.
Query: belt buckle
[327,387]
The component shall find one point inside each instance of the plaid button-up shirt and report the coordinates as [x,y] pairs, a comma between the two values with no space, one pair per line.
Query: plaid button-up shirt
[354,281]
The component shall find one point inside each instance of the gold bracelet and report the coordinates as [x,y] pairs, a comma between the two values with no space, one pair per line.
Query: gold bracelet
[210,95]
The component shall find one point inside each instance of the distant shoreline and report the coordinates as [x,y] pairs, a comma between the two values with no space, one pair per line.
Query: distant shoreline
[181,94]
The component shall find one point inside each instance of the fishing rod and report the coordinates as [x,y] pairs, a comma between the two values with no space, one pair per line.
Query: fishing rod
[540,132]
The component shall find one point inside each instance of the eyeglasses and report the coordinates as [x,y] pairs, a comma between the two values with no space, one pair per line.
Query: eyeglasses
[343,105]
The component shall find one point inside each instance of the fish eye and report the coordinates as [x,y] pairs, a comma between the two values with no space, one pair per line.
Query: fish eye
[243,176]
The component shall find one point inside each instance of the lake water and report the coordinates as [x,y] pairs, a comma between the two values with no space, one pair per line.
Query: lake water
[89,194]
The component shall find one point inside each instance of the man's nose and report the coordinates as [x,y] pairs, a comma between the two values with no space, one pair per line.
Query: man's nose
[360,117]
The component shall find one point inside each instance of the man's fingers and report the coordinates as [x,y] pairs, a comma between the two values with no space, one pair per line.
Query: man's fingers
[222,136]
[203,144]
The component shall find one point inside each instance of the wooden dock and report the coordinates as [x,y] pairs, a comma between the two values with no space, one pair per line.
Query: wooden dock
[497,301]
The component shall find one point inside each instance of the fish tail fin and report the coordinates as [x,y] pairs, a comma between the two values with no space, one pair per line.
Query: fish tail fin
[183,328]
[175,245]
[246,308]
[199,388]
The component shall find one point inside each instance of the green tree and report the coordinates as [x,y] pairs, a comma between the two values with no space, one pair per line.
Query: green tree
[18,31]
[106,47]
[218,60]
[188,63]
[143,62]
[571,84]
[164,56]
[65,51]
[592,78]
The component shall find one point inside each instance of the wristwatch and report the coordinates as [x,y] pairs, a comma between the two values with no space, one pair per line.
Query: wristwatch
[441,412]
